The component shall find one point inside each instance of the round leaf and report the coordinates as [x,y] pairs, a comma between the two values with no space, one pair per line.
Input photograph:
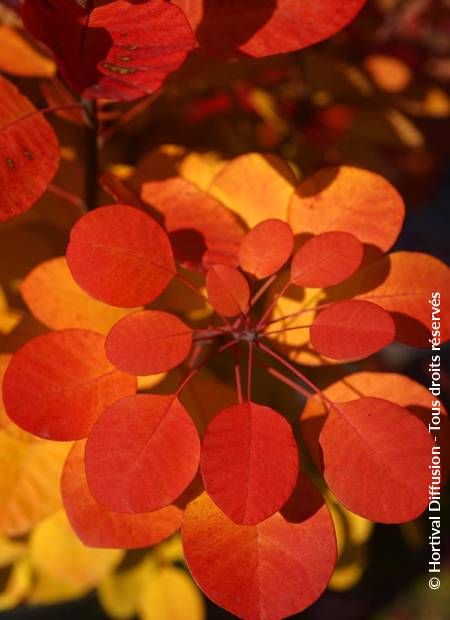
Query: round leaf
[228,290]
[30,152]
[326,259]
[97,526]
[121,256]
[266,248]
[56,300]
[261,27]
[141,454]
[351,330]
[249,462]
[340,198]
[104,52]
[58,384]
[244,568]
[148,342]
[376,458]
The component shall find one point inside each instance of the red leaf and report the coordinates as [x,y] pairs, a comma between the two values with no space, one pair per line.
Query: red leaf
[376,459]
[121,51]
[266,571]
[228,290]
[249,462]
[351,330]
[142,453]
[266,248]
[30,152]
[121,256]
[58,384]
[326,259]
[148,343]
[388,283]
[340,198]
[97,526]
[202,230]
[265,27]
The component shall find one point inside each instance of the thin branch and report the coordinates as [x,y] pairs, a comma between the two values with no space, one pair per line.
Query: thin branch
[237,374]
[285,329]
[273,303]
[278,375]
[249,370]
[91,165]
[263,289]
[195,370]
[66,195]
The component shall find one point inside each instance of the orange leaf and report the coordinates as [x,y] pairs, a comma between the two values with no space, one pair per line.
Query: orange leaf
[148,343]
[97,526]
[262,560]
[142,453]
[18,57]
[249,462]
[58,384]
[341,198]
[266,248]
[228,290]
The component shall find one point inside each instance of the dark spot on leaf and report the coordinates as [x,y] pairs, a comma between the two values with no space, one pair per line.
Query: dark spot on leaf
[28,155]
[10,163]
[124,58]
[118,69]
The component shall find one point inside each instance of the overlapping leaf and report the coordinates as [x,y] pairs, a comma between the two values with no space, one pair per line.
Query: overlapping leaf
[110,257]
[266,248]
[121,50]
[58,384]
[97,526]
[141,454]
[30,152]
[249,462]
[228,290]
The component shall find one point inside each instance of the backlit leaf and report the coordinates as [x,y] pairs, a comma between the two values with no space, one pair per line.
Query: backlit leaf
[56,551]
[244,568]
[256,187]
[18,57]
[30,152]
[58,384]
[29,484]
[56,300]
[326,259]
[97,526]
[5,421]
[266,248]
[148,342]
[203,232]
[120,255]
[262,27]
[18,585]
[376,456]
[388,283]
[249,462]
[105,52]
[350,330]
[228,290]
[142,453]
[351,200]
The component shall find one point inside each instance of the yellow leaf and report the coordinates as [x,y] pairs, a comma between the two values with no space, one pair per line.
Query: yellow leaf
[201,168]
[10,551]
[29,482]
[8,318]
[171,550]
[389,73]
[18,57]
[57,553]
[17,586]
[171,595]
[256,187]
[58,302]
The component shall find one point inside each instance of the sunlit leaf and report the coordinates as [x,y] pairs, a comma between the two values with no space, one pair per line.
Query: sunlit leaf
[18,57]
[350,330]
[351,200]
[228,290]
[244,568]
[110,256]
[266,248]
[148,342]
[249,462]
[104,52]
[97,526]
[30,152]
[58,384]
[55,299]
[326,259]
[142,453]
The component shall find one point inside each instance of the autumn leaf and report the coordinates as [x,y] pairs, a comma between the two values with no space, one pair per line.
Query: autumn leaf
[266,248]
[104,52]
[30,152]
[228,290]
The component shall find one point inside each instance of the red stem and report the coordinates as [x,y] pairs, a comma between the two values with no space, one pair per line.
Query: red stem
[66,106]
[278,375]
[249,371]
[194,371]
[286,329]
[262,290]
[237,374]
[272,305]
